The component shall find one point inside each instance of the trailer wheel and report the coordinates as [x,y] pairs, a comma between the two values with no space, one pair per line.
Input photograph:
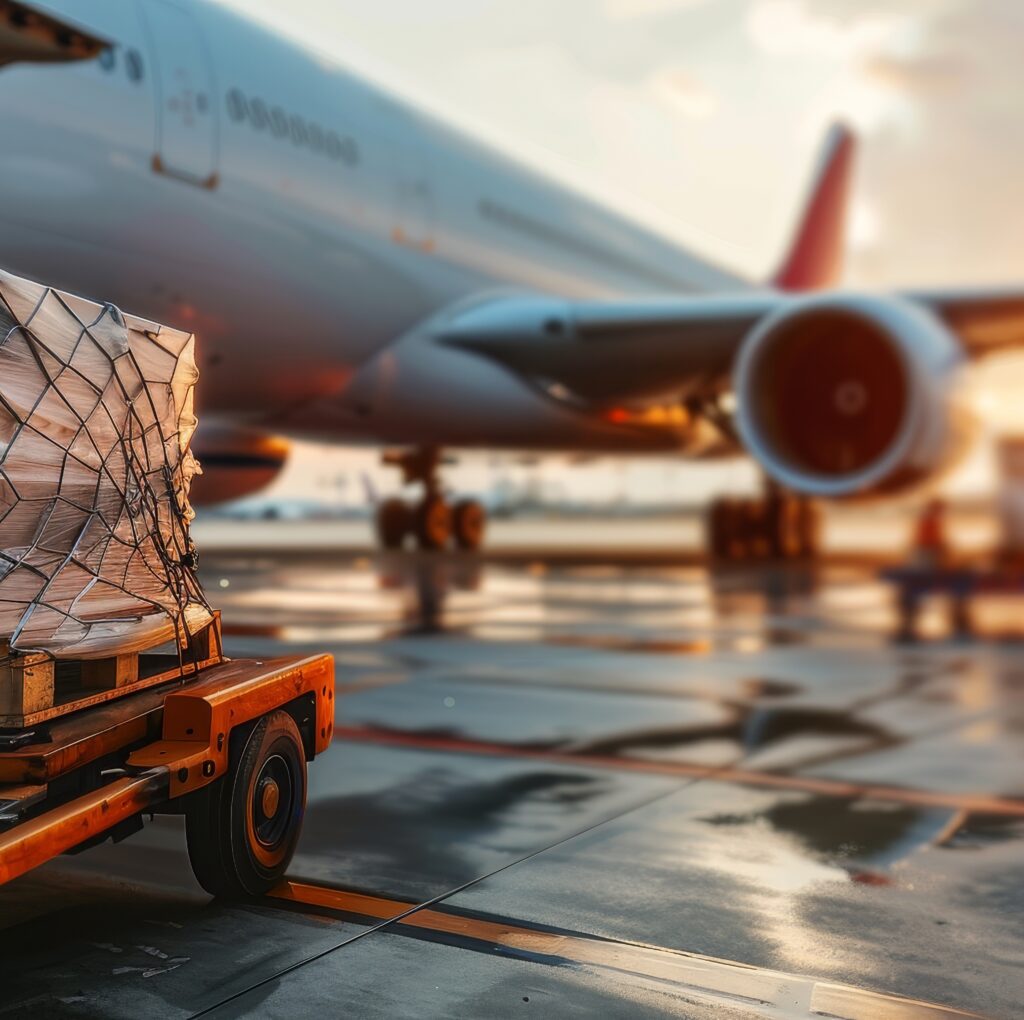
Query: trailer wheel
[242,829]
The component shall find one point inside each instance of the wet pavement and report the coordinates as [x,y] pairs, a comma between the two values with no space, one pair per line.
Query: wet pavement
[584,790]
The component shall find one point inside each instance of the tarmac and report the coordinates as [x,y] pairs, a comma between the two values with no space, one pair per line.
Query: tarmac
[580,788]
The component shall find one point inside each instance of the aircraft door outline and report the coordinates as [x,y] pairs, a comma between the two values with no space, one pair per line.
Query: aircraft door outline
[186,107]
[415,202]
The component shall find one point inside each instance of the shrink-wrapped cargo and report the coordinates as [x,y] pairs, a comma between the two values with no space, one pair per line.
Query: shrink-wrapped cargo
[96,415]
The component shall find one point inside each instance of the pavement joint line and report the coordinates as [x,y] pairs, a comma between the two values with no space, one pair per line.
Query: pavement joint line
[434,900]
[829,998]
[974,803]
[702,975]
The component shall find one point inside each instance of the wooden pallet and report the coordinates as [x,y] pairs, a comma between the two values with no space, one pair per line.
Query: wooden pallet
[36,688]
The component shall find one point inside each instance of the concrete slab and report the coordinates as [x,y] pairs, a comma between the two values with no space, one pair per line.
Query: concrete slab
[741,766]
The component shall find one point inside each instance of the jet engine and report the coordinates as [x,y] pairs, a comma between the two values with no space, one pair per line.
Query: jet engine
[848,396]
[235,462]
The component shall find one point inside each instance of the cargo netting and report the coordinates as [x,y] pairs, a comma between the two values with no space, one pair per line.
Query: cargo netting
[96,416]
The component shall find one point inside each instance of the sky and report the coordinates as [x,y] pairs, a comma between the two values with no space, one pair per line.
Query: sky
[703,117]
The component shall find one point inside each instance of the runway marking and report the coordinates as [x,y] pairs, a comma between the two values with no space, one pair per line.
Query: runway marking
[705,979]
[974,803]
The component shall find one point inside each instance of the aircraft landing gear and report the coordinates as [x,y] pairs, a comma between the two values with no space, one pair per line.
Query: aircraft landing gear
[469,520]
[434,522]
[394,522]
[779,526]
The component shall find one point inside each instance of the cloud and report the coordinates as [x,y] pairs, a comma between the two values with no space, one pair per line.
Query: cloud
[786,28]
[625,10]
[948,183]
[684,93]
[927,74]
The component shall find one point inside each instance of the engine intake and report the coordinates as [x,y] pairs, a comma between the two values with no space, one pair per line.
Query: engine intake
[849,395]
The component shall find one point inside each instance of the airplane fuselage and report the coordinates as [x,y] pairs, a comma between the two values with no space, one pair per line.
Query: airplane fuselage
[207,174]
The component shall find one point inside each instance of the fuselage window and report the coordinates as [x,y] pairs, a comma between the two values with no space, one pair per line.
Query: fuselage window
[133,65]
[301,133]
[258,114]
[349,151]
[279,122]
[107,58]
[236,105]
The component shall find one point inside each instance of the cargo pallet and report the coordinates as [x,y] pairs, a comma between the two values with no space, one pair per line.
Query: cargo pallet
[88,746]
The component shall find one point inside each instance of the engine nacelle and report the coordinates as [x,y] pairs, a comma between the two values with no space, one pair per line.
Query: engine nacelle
[848,396]
[235,462]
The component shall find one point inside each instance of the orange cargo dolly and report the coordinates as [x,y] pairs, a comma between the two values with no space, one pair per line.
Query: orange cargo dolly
[223,742]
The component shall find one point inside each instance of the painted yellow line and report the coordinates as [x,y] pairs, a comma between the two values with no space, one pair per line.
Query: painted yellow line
[704,979]
[973,803]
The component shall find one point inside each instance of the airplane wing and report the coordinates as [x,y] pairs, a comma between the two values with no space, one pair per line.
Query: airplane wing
[634,350]
[628,350]
[985,322]
[612,351]
[833,393]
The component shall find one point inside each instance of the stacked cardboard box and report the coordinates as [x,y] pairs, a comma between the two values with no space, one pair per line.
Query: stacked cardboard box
[96,415]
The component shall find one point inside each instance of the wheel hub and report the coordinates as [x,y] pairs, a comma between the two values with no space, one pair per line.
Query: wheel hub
[272,796]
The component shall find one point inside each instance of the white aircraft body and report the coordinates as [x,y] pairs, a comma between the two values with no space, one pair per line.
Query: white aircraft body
[357,270]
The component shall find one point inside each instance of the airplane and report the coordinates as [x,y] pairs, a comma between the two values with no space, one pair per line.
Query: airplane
[356,270]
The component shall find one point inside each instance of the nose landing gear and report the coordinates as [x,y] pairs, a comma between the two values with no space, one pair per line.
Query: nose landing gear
[434,522]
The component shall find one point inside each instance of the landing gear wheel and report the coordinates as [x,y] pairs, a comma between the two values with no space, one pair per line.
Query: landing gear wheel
[783,527]
[394,522]
[717,529]
[727,527]
[241,830]
[469,521]
[433,523]
[785,523]
[810,528]
[754,530]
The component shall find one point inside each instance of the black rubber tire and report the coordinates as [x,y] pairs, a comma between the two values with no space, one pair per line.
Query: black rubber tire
[731,522]
[715,524]
[394,523]
[236,848]
[753,530]
[433,523]
[811,527]
[785,521]
[469,523]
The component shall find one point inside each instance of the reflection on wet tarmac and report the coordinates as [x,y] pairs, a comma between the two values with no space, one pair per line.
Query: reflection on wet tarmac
[740,764]
[425,836]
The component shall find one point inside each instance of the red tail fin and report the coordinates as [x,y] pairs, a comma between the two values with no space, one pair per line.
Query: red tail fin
[815,257]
